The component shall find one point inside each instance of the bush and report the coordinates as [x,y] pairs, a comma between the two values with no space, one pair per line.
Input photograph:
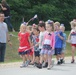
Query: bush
[57,10]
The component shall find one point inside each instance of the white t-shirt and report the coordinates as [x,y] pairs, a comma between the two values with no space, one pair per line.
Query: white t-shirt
[47,41]
[73,36]
[41,35]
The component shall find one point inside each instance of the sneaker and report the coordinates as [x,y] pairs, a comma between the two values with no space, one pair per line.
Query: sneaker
[52,63]
[31,64]
[72,61]
[49,67]
[22,65]
[35,63]
[45,65]
[62,61]
[39,66]
[27,63]
[58,63]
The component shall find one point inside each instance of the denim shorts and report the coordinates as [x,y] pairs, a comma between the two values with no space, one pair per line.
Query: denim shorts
[58,51]
[37,53]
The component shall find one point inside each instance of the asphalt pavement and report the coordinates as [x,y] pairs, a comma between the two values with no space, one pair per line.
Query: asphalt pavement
[14,69]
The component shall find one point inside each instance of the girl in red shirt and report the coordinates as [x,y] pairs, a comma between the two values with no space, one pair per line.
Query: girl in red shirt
[24,45]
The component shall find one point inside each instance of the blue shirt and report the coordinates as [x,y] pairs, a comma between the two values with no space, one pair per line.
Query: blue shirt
[64,41]
[58,40]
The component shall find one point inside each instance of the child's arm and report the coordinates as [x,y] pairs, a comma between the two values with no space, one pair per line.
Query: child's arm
[53,42]
[61,37]
[30,42]
[19,38]
[65,38]
[37,44]
[69,37]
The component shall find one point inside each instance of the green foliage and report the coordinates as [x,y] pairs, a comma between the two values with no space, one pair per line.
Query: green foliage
[58,10]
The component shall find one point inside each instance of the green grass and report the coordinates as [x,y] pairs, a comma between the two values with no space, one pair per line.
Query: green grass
[68,46]
[12,52]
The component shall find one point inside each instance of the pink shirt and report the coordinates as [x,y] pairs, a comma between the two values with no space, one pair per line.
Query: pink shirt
[49,38]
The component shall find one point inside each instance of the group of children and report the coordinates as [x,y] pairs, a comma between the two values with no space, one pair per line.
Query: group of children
[38,43]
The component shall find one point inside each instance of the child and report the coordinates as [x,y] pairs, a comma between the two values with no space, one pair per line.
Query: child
[29,29]
[58,42]
[41,27]
[62,28]
[31,40]
[72,37]
[24,46]
[48,46]
[35,41]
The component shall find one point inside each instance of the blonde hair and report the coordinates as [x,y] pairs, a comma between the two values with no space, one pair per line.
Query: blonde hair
[29,28]
[73,24]
[21,26]
[62,27]
[57,23]
[50,24]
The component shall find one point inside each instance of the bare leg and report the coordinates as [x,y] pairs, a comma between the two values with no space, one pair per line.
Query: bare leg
[73,52]
[49,60]
[37,59]
[41,58]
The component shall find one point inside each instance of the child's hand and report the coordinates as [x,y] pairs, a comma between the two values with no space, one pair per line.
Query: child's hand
[19,38]
[36,45]
[58,34]
[60,37]
[31,44]
[52,48]
[68,41]
[27,23]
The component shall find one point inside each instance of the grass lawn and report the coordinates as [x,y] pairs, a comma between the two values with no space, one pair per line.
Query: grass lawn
[12,52]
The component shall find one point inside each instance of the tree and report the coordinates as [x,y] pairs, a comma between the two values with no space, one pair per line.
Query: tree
[58,10]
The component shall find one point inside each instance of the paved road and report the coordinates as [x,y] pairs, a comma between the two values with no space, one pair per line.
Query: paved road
[64,69]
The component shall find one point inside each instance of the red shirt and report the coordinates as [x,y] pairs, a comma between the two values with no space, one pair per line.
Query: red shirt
[24,42]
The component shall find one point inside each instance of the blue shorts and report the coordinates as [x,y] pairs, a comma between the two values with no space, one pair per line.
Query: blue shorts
[37,53]
[25,52]
[58,51]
